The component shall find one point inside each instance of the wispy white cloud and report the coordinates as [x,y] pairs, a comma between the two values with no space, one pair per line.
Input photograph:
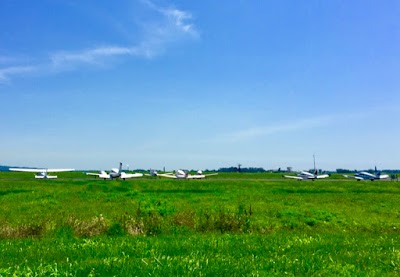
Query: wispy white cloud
[295,125]
[90,56]
[178,19]
[274,129]
[7,72]
[170,26]
[308,123]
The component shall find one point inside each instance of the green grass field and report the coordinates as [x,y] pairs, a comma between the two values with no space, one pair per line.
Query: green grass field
[229,225]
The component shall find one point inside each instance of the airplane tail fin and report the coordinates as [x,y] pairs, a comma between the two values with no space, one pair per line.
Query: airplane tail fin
[377,173]
[120,167]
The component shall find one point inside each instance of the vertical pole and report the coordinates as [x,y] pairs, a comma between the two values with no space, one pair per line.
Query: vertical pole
[314,163]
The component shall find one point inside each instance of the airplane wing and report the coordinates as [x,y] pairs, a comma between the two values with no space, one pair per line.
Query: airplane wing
[167,175]
[28,169]
[195,176]
[293,177]
[102,175]
[95,174]
[322,176]
[42,169]
[130,175]
[200,176]
[353,177]
[59,169]
[211,174]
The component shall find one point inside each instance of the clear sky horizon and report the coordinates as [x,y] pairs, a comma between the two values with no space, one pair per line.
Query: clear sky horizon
[200,84]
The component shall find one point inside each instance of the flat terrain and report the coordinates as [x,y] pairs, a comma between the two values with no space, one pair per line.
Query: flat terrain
[229,225]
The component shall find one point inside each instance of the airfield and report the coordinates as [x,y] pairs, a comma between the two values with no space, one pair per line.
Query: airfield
[232,224]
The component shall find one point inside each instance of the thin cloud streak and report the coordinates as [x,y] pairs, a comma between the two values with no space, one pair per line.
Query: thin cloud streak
[287,127]
[7,72]
[172,27]
[251,133]
[177,18]
[297,125]
[91,56]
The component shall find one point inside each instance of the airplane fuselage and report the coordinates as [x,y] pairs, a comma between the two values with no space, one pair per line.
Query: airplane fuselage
[369,176]
[304,175]
[43,175]
[116,173]
[307,175]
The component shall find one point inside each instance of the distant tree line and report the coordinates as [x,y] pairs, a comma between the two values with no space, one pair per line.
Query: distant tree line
[391,170]
[342,170]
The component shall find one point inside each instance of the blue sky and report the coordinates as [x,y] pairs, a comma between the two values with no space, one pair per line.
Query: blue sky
[200,84]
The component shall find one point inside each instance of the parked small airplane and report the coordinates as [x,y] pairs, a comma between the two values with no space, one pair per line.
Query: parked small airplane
[116,173]
[152,173]
[182,174]
[305,175]
[368,176]
[42,172]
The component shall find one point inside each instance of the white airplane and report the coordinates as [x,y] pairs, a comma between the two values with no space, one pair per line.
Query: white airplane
[368,176]
[42,172]
[116,173]
[182,174]
[305,175]
[152,173]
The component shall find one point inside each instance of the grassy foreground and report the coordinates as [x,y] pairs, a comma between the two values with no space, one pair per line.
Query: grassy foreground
[229,227]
